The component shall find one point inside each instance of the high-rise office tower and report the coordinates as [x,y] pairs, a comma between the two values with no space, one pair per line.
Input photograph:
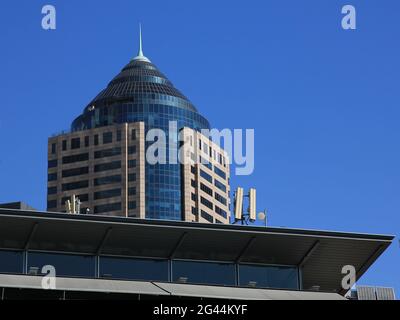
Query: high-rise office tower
[102,160]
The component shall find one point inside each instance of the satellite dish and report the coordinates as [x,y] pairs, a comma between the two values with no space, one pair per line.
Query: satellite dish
[261,216]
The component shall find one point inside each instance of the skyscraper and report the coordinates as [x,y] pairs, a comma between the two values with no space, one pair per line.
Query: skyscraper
[103,159]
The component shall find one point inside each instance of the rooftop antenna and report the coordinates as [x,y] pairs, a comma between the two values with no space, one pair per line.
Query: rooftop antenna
[141,56]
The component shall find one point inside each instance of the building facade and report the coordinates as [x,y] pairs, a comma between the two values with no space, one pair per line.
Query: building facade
[102,160]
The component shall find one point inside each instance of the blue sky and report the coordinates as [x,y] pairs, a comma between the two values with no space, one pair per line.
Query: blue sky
[324,102]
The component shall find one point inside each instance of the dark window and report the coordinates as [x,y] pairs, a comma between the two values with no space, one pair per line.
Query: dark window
[221,212]
[96,139]
[132,177]
[51,204]
[107,166]
[268,276]
[220,185]
[195,211]
[52,177]
[207,203]
[204,273]
[64,145]
[132,205]
[133,134]
[75,172]
[11,262]
[75,185]
[207,216]
[206,176]
[119,135]
[132,191]
[107,194]
[134,269]
[107,180]
[52,163]
[206,163]
[107,153]
[75,143]
[107,208]
[53,148]
[193,169]
[131,149]
[219,172]
[220,198]
[65,265]
[51,190]
[76,158]
[193,183]
[194,197]
[132,163]
[206,189]
[87,142]
[107,137]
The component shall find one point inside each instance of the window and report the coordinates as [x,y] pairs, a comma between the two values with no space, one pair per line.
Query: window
[107,194]
[195,211]
[119,135]
[132,205]
[107,180]
[96,140]
[52,164]
[193,169]
[221,212]
[133,134]
[107,208]
[194,197]
[75,172]
[207,203]
[107,153]
[75,143]
[51,190]
[75,185]
[132,177]
[207,216]
[134,269]
[204,273]
[87,142]
[132,191]
[132,163]
[220,185]
[76,158]
[193,183]
[219,172]
[65,265]
[269,276]
[206,176]
[220,199]
[206,163]
[11,262]
[206,189]
[131,149]
[51,204]
[107,166]
[52,177]
[107,137]
[64,145]
[54,148]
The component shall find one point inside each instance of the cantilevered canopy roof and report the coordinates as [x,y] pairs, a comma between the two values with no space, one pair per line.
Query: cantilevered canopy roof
[320,254]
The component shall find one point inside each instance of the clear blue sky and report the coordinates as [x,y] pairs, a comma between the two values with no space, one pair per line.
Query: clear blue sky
[325,103]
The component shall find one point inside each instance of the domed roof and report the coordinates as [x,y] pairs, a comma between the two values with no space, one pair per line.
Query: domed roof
[138,76]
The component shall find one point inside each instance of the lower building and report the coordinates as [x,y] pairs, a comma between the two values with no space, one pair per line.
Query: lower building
[129,258]
[372,293]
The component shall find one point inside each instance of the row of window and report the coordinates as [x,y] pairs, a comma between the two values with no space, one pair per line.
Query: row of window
[227,274]
[76,143]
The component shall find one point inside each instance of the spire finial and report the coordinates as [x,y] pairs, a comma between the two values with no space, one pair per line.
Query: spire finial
[140,55]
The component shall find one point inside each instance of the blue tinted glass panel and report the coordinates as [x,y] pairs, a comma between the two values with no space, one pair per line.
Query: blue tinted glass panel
[65,265]
[11,262]
[268,276]
[204,273]
[134,269]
